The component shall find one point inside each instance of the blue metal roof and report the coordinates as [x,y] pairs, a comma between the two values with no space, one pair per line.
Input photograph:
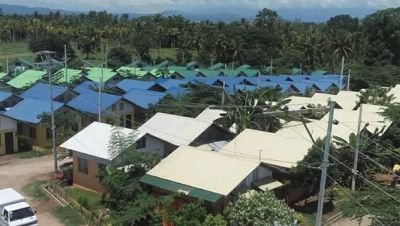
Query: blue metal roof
[4,95]
[171,83]
[302,86]
[42,91]
[230,81]
[323,85]
[177,91]
[205,80]
[129,84]
[268,84]
[143,98]
[243,88]
[85,86]
[88,101]
[29,109]
[273,78]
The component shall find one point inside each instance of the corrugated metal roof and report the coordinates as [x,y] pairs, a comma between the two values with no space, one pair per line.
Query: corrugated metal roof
[216,66]
[94,140]
[143,98]
[26,78]
[186,165]
[88,102]
[177,130]
[176,91]
[2,75]
[319,72]
[210,115]
[180,188]
[170,83]
[275,149]
[129,84]
[4,95]
[29,109]
[95,74]
[71,76]
[42,91]
[85,86]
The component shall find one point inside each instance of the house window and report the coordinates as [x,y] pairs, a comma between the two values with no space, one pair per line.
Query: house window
[141,143]
[48,133]
[83,166]
[32,132]
[121,106]
[102,167]
[19,129]
[113,107]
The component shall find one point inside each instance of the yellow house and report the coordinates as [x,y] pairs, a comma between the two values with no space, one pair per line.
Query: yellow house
[31,126]
[8,136]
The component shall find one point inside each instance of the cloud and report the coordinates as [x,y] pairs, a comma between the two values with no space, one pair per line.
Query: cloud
[151,6]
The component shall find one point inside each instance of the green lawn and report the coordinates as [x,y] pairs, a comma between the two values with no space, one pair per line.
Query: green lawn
[68,216]
[93,198]
[29,154]
[35,191]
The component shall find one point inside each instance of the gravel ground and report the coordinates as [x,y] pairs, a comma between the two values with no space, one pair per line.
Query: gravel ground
[16,173]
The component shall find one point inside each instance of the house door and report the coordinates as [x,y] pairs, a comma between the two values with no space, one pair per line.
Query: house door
[128,121]
[9,142]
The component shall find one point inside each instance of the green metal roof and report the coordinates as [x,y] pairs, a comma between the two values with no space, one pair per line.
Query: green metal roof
[2,75]
[162,64]
[230,72]
[175,68]
[25,61]
[209,73]
[71,76]
[26,78]
[319,72]
[187,73]
[191,64]
[126,71]
[94,74]
[179,188]
[295,71]
[250,72]
[244,66]
[216,66]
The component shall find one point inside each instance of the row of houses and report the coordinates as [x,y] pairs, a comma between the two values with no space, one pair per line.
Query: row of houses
[203,161]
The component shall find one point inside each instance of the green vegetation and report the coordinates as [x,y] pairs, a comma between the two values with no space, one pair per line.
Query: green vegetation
[93,199]
[68,216]
[35,191]
[29,154]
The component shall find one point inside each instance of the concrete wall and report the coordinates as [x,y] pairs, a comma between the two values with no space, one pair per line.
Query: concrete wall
[89,181]
[154,146]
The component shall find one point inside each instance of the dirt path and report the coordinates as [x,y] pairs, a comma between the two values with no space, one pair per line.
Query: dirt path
[17,173]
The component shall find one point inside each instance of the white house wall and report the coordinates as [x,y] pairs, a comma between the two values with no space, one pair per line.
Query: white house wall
[7,124]
[154,146]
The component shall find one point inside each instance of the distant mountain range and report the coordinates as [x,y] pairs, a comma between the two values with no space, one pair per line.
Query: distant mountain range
[223,15]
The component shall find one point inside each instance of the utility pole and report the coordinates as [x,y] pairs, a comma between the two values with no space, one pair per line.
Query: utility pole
[7,70]
[301,68]
[106,56]
[348,80]
[324,165]
[270,70]
[341,75]
[223,94]
[65,63]
[355,163]
[100,87]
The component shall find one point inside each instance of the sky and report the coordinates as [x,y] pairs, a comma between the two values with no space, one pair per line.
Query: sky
[152,6]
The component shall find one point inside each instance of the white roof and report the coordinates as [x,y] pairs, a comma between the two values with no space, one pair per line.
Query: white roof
[9,195]
[348,122]
[210,115]
[345,99]
[177,130]
[297,103]
[94,140]
[210,171]
[276,150]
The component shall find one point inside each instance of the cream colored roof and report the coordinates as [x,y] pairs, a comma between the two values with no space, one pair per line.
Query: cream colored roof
[94,140]
[348,122]
[210,171]
[297,103]
[276,150]
[345,99]
[210,115]
[177,130]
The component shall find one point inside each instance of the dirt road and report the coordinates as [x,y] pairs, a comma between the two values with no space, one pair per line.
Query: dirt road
[16,173]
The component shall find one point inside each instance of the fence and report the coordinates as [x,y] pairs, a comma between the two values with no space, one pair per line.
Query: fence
[90,218]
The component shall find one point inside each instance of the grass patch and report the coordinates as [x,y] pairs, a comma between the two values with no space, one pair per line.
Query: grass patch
[88,199]
[68,216]
[29,154]
[35,191]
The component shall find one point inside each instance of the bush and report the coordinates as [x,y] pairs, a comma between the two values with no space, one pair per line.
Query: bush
[84,202]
